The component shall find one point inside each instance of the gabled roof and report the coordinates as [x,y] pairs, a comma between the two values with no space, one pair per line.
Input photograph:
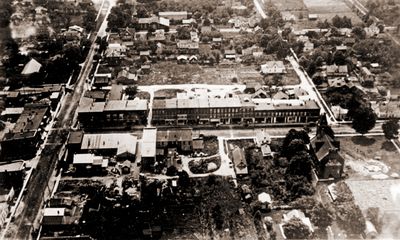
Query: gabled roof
[32,66]
[239,161]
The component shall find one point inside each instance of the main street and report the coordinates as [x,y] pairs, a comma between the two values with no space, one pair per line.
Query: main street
[38,188]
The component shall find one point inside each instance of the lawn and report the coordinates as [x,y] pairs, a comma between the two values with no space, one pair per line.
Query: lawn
[370,156]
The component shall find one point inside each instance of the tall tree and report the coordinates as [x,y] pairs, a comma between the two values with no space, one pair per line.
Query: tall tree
[364,119]
[391,128]
[320,216]
[300,164]
[296,229]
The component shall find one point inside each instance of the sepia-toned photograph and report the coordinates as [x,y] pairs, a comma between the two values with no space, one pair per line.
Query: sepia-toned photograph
[199,119]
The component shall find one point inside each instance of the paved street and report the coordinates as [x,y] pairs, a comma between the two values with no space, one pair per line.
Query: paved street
[40,184]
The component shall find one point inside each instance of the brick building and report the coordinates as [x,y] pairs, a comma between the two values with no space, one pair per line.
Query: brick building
[113,114]
[26,133]
[233,110]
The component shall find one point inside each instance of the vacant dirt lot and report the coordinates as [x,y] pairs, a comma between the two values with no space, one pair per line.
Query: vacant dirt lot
[368,158]
[173,73]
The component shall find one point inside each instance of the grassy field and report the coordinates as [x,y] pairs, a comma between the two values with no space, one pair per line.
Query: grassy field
[289,5]
[327,9]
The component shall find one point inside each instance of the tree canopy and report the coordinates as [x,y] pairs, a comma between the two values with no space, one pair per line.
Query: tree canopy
[296,229]
[320,216]
[391,128]
[364,119]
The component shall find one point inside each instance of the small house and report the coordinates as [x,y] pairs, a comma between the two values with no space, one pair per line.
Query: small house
[273,67]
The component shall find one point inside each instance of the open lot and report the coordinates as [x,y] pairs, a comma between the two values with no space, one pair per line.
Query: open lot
[289,5]
[327,9]
[368,158]
[173,73]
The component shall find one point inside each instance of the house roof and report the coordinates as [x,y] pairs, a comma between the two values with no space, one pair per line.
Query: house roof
[264,198]
[239,161]
[171,13]
[273,67]
[53,212]
[183,44]
[32,66]
[280,95]
[336,69]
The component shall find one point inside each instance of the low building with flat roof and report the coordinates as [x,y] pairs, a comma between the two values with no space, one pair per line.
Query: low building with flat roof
[120,145]
[26,133]
[236,110]
[112,114]
[12,174]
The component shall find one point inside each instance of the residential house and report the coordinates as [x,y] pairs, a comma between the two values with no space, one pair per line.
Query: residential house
[187,47]
[336,70]
[31,67]
[177,16]
[375,68]
[158,36]
[101,79]
[339,112]
[127,75]
[367,78]
[230,54]
[114,53]
[336,82]
[341,48]
[153,23]
[308,46]
[312,17]
[273,67]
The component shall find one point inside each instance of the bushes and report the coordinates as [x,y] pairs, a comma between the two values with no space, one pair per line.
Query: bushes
[205,165]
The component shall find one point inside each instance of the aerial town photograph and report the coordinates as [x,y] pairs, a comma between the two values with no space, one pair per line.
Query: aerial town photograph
[199,119]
